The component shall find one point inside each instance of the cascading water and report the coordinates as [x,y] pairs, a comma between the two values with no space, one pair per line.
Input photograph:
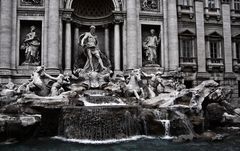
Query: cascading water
[165,122]
[102,117]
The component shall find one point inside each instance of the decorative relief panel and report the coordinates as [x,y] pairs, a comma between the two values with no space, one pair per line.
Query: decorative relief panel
[150,5]
[31,2]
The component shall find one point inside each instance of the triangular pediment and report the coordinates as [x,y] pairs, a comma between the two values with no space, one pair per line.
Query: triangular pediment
[215,34]
[236,36]
[187,33]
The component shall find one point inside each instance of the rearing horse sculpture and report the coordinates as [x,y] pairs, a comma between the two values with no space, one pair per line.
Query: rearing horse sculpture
[133,87]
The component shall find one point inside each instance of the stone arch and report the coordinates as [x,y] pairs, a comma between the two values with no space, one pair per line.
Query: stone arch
[116,3]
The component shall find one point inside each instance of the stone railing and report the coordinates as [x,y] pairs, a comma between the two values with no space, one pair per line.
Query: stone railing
[235,14]
[185,10]
[215,64]
[212,12]
[188,63]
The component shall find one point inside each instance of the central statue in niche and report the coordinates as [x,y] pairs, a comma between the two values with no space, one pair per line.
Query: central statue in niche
[89,43]
[95,71]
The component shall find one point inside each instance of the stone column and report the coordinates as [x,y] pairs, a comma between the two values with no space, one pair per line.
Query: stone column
[200,32]
[117,54]
[132,44]
[173,35]
[165,53]
[106,40]
[53,37]
[76,42]
[5,34]
[226,17]
[14,48]
[68,48]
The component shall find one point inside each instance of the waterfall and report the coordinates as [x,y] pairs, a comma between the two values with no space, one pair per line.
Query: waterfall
[166,124]
[99,122]
[163,118]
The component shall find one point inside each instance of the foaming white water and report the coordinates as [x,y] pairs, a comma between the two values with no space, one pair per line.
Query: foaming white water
[167,137]
[86,103]
[109,141]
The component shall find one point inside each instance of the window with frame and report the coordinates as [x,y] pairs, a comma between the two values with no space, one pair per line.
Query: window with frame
[211,4]
[187,48]
[237,6]
[214,47]
[186,2]
[238,50]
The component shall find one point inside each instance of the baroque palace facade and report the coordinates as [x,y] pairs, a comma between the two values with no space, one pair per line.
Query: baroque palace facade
[200,36]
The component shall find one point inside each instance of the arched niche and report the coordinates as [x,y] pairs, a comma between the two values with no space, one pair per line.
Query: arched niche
[94,12]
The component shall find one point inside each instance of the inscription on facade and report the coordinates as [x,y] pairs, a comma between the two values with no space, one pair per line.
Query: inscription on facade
[31,2]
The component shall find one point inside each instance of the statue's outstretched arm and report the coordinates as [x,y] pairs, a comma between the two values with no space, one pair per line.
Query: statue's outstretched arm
[50,77]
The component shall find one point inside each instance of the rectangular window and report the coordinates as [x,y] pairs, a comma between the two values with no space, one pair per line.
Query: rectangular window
[187,51]
[237,6]
[186,3]
[238,51]
[211,4]
[213,49]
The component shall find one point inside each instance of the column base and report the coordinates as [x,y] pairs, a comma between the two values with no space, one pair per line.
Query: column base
[5,75]
[5,72]
[67,71]
[152,69]
[53,71]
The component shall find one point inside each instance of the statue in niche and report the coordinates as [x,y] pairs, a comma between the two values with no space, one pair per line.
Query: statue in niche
[150,45]
[95,71]
[149,5]
[96,60]
[31,2]
[31,47]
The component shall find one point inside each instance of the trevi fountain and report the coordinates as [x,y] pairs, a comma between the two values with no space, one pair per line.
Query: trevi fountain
[96,109]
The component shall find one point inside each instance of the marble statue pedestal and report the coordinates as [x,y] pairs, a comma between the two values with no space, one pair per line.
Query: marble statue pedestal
[152,68]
